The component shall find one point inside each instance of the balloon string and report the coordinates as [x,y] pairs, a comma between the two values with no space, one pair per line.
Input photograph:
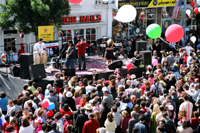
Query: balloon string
[163,40]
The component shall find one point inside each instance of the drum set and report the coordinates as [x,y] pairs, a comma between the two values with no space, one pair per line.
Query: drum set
[40,57]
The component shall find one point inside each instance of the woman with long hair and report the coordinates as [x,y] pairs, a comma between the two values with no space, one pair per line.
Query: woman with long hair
[156,110]
[109,52]
[110,124]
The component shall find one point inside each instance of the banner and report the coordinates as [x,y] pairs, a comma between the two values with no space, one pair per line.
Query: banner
[52,45]
[45,32]
[149,3]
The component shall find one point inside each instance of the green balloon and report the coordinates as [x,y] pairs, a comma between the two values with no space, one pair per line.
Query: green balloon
[153,31]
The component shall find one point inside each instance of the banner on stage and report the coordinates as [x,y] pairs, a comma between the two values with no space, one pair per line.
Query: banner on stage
[45,32]
[150,3]
[52,45]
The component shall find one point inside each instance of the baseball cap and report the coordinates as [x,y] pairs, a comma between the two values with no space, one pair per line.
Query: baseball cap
[106,82]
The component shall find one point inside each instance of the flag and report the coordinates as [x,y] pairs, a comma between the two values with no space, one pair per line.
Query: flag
[176,9]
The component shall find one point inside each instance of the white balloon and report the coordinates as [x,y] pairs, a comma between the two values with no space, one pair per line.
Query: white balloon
[126,13]
[199,9]
[198,2]
[188,12]
[193,39]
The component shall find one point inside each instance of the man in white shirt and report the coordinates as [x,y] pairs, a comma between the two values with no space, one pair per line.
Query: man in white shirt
[189,59]
[59,123]
[188,48]
[187,105]
[31,100]
[40,45]
[89,87]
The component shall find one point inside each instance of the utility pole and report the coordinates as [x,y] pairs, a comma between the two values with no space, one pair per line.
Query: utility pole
[184,14]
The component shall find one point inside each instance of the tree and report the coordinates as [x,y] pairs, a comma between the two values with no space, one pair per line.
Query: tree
[27,15]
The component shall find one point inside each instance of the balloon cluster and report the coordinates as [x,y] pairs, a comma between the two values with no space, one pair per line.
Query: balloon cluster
[46,104]
[192,4]
[126,13]
[173,34]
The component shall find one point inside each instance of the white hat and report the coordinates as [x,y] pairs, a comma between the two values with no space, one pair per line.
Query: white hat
[149,66]
[170,107]
[68,94]
[133,76]
[88,107]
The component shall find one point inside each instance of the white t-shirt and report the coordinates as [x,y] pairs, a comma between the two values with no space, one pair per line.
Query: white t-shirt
[39,47]
[188,48]
[28,129]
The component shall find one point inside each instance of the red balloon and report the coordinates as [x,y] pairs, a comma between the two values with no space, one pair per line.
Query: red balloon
[192,4]
[50,113]
[196,10]
[45,104]
[174,33]
[129,66]
[75,1]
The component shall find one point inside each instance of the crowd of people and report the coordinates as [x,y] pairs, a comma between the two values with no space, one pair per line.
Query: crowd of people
[164,100]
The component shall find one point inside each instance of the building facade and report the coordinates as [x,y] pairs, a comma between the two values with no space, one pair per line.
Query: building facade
[92,19]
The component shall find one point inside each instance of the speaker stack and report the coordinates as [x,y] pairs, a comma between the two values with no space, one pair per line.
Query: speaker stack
[26,59]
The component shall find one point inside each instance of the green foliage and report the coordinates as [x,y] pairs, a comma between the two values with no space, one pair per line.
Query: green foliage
[27,15]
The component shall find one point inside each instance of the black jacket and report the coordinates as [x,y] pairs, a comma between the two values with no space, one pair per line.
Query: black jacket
[80,121]
[169,126]
[71,52]
[70,101]
[75,115]
[131,124]
[176,101]
[104,112]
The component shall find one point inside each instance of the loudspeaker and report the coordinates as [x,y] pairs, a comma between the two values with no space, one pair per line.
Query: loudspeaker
[146,57]
[26,59]
[141,46]
[37,71]
[69,72]
[14,70]
[116,64]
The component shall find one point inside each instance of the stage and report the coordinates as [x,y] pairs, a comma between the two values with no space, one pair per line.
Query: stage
[92,63]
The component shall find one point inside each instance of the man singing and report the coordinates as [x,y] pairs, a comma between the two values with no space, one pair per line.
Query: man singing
[81,52]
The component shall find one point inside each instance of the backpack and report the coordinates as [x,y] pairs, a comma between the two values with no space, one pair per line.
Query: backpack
[157,91]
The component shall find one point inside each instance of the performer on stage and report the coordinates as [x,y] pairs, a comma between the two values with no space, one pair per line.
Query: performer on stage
[40,45]
[40,55]
[81,52]
[70,55]
[109,52]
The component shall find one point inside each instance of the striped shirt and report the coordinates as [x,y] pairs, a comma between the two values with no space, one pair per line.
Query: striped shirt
[188,106]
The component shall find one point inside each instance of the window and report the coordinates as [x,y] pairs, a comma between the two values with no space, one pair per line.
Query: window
[90,35]
[9,44]
[67,35]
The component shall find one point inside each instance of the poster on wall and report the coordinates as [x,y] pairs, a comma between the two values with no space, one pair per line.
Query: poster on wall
[45,32]
[149,3]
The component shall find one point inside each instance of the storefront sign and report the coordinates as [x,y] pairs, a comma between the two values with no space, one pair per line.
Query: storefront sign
[150,3]
[81,19]
[45,32]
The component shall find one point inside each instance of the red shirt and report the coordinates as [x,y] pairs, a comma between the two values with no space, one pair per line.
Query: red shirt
[194,122]
[65,112]
[90,126]
[5,126]
[58,90]
[21,51]
[65,125]
[185,59]
[81,48]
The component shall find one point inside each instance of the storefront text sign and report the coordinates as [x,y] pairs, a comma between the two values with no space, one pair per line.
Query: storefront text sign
[149,3]
[81,19]
[45,32]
